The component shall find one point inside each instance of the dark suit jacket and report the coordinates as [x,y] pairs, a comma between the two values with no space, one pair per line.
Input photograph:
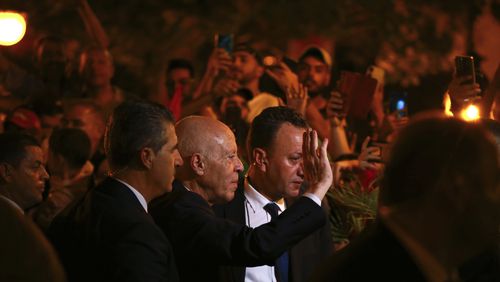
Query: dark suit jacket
[107,236]
[376,255]
[304,256]
[202,242]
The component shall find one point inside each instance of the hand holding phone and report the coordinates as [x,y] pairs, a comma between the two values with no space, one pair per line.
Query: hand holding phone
[464,67]
[463,86]
[224,41]
[335,106]
[357,91]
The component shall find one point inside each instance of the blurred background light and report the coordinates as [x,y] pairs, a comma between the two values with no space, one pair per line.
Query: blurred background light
[12,28]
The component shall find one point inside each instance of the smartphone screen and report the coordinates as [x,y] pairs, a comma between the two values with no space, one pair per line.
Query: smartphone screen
[398,104]
[224,41]
[464,66]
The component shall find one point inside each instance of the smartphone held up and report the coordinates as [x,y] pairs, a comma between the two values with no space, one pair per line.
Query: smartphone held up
[464,66]
[224,41]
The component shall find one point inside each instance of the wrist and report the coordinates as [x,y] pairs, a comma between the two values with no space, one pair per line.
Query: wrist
[336,121]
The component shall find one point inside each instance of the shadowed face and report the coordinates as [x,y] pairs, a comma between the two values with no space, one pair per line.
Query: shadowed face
[284,169]
[222,169]
[165,162]
[28,178]
[314,74]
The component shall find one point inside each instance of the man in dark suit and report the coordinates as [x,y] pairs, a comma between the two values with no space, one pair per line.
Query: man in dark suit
[439,210]
[201,241]
[109,235]
[276,172]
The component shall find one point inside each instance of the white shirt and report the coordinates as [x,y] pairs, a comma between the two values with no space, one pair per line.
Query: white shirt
[138,195]
[256,215]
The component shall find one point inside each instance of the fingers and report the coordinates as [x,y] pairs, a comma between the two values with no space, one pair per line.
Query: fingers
[272,73]
[323,151]
[314,142]
[365,143]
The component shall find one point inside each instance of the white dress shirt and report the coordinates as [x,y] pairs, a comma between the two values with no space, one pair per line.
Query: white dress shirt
[256,216]
[137,194]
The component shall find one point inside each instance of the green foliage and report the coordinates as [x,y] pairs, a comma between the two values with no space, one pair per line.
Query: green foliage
[352,207]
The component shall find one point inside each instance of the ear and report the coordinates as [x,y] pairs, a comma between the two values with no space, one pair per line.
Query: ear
[259,157]
[147,156]
[197,164]
[6,172]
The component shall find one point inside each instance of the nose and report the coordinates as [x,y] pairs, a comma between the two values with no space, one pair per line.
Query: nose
[300,170]
[45,174]
[239,165]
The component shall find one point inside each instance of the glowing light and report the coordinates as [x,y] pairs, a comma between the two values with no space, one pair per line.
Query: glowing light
[12,28]
[471,113]
[447,105]
[270,61]
[400,105]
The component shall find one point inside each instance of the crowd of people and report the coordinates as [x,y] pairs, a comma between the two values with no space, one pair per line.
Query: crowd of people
[225,178]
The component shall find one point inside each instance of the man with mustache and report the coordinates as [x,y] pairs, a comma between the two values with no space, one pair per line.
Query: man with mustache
[202,242]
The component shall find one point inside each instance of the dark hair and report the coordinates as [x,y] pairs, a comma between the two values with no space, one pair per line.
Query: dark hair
[249,48]
[438,155]
[47,107]
[134,125]
[180,64]
[12,147]
[72,144]
[265,126]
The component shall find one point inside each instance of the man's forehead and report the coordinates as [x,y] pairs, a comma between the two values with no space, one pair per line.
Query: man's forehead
[245,54]
[33,153]
[313,61]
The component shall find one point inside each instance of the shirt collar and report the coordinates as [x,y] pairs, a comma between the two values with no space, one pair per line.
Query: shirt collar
[137,194]
[256,200]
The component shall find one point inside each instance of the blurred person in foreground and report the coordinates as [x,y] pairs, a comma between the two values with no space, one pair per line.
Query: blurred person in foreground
[439,210]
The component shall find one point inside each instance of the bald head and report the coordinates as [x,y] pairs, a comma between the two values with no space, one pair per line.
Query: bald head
[202,135]
[211,164]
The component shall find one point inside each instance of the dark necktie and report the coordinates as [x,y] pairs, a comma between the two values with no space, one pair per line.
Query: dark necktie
[281,265]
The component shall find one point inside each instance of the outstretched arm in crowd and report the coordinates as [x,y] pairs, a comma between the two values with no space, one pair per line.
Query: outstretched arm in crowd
[219,62]
[207,90]
[92,24]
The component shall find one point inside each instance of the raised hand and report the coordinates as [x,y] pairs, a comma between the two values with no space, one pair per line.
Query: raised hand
[335,106]
[368,155]
[285,78]
[317,169]
[219,61]
[459,92]
[225,87]
[297,100]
